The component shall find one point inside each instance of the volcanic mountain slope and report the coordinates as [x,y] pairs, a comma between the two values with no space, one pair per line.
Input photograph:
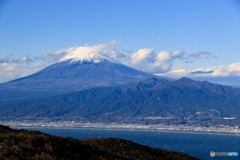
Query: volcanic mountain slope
[74,72]
[148,101]
[22,144]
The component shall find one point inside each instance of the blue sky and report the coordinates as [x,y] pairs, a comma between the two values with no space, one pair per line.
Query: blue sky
[204,34]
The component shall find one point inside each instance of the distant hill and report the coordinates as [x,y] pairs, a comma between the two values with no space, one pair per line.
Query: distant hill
[151,101]
[22,144]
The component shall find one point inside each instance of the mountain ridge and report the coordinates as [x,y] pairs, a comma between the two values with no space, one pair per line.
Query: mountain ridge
[206,104]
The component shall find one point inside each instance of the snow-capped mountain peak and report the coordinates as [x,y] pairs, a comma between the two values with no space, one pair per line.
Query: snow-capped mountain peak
[84,54]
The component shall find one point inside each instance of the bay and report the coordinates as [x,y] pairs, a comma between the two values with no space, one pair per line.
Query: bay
[196,144]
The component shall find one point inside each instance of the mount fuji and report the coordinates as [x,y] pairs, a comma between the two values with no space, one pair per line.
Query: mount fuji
[74,72]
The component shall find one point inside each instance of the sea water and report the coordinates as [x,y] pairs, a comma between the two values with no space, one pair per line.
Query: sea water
[196,144]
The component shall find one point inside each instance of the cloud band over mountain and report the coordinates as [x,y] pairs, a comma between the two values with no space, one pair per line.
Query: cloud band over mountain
[145,59]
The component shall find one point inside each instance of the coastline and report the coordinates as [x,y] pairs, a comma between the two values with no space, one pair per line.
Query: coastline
[129,127]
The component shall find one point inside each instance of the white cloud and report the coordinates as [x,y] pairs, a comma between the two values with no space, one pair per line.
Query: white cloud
[234,68]
[142,59]
[163,56]
[122,57]
[144,55]
[55,56]
[146,60]
[218,71]
[222,74]
[12,70]
[175,73]
[229,70]
[12,67]
[18,60]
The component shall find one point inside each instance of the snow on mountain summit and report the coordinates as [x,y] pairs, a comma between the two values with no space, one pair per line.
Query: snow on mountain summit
[85,54]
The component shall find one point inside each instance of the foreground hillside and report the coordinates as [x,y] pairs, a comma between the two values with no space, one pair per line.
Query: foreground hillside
[22,144]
